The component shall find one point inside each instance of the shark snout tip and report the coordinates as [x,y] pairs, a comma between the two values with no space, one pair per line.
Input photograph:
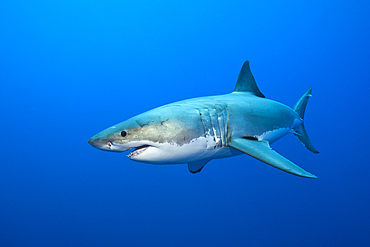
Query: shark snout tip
[91,141]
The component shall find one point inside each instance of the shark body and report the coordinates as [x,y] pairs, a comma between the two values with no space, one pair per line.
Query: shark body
[197,130]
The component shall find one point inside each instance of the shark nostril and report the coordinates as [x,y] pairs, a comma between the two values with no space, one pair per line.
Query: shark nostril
[109,144]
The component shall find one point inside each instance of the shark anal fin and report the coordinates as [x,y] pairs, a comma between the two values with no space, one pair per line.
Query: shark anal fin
[262,151]
[197,166]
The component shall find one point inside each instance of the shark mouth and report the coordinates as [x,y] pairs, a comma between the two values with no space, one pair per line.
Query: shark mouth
[139,150]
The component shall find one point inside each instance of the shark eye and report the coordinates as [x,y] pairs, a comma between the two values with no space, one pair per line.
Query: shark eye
[123,133]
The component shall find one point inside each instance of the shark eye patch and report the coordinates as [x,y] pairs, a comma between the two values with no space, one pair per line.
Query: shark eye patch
[123,133]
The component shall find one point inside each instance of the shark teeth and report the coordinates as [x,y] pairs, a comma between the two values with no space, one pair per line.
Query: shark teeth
[138,151]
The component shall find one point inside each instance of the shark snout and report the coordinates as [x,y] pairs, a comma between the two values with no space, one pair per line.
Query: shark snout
[105,144]
[93,141]
[101,143]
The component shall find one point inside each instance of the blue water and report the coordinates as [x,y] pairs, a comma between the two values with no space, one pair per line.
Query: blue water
[69,69]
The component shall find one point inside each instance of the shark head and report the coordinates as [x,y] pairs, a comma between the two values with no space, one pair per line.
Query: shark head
[160,136]
[117,138]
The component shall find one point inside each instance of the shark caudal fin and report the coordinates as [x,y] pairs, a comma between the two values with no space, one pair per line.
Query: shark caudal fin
[300,132]
[246,82]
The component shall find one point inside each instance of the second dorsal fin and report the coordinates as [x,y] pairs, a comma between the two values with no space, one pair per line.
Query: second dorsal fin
[246,82]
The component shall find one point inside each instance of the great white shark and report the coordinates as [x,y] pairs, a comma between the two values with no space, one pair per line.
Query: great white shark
[197,130]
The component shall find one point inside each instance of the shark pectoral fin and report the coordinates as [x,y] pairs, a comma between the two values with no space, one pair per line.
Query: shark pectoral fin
[262,151]
[197,166]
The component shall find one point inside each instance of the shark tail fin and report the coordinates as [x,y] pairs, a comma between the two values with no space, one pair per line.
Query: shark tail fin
[300,132]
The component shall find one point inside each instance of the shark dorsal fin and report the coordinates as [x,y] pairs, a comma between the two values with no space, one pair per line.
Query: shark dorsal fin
[246,82]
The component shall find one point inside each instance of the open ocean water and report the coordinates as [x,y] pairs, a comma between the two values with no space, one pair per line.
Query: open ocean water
[69,69]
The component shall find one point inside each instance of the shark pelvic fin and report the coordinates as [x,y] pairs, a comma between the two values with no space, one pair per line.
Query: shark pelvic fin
[262,151]
[300,132]
[246,82]
[197,166]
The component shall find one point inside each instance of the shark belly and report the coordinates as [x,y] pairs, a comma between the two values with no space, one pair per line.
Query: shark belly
[172,153]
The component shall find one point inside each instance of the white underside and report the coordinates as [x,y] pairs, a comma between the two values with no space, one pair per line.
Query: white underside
[273,135]
[171,153]
[200,148]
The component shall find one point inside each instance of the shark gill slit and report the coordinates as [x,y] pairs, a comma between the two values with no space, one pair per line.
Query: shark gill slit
[214,125]
[228,136]
[205,119]
[221,122]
